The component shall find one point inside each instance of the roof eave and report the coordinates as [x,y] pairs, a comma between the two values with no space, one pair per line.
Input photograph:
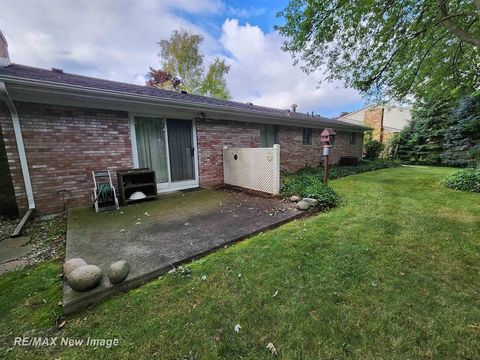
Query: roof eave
[123,96]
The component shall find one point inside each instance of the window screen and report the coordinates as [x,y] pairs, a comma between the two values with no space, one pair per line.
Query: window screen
[352,138]
[268,135]
[307,136]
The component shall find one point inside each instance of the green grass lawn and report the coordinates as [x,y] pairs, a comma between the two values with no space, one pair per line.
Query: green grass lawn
[392,272]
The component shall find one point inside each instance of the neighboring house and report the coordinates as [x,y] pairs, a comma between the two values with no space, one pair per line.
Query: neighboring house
[384,120]
[58,127]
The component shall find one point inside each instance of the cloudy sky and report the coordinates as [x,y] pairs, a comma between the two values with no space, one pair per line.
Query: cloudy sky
[117,40]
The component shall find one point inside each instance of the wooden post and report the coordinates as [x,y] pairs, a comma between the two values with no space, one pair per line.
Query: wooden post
[325,169]
[326,154]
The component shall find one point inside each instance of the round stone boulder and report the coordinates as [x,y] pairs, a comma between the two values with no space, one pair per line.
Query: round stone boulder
[72,264]
[303,205]
[118,271]
[311,202]
[84,277]
[295,198]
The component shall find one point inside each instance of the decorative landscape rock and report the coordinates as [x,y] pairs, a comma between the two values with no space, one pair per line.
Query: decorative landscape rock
[118,271]
[303,205]
[72,264]
[84,278]
[311,202]
[295,198]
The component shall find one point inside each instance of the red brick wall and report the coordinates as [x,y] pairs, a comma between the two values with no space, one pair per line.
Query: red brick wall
[8,202]
[63,145]
[295,156]
[343,147]
[212,135]
[13,159]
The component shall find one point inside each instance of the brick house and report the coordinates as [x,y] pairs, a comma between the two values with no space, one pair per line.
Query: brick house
[57,127]
[385,121]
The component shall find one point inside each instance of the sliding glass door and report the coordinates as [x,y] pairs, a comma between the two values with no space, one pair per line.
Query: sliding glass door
[167,146]
[180,145]
[152,146]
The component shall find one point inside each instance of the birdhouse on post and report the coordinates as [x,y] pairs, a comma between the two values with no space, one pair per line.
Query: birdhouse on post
[327,136]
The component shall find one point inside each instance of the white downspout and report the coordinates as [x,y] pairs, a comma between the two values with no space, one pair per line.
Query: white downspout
[21,148]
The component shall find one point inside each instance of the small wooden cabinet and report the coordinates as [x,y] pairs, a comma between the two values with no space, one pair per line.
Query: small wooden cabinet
[130,181]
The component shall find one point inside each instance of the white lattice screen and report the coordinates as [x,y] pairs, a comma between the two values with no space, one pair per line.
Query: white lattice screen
[253,168]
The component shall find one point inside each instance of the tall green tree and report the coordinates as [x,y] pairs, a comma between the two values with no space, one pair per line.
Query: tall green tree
[389,49]
[446,133]
[422,140]
[214,83]
[183,67]
[462,138]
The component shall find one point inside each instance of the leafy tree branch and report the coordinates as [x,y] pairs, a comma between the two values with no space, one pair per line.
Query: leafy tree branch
[183,67]
[392,50]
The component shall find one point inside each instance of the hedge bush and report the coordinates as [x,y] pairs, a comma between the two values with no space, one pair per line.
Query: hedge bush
[464,180]
[372,149]
[308,185]
[342,171]
[309,181]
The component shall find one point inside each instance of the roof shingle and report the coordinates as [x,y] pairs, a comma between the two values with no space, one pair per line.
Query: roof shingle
[61,78]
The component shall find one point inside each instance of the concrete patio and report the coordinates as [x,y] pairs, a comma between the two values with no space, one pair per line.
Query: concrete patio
[153,237]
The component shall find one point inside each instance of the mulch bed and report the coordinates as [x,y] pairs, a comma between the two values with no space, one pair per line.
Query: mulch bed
[7,226]
[47,237]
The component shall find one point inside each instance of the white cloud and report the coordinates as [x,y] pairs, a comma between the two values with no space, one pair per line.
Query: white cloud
[118,40]
[264,74]
[110,39]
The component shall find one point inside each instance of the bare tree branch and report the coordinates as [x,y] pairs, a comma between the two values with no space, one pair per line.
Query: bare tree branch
[453,27]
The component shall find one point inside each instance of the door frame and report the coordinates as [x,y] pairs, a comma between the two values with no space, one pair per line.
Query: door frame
[169,185]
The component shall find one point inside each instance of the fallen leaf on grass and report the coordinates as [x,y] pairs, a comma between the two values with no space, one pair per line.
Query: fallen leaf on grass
[272,349]
[237,328]
[276,293]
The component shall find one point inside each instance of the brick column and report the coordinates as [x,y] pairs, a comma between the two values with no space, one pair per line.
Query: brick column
[374,119]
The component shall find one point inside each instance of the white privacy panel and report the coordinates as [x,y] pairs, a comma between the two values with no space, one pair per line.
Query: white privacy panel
[253,168]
